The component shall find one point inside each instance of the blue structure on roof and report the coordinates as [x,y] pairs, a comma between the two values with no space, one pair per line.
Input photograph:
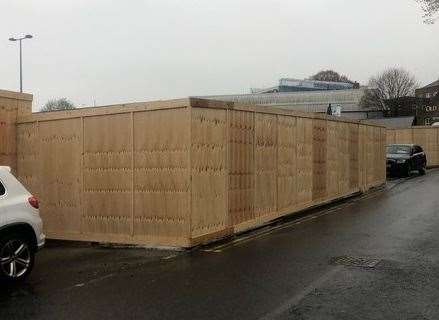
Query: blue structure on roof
[296,85]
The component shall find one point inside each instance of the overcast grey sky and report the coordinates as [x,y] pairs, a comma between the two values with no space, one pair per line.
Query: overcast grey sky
[123,51]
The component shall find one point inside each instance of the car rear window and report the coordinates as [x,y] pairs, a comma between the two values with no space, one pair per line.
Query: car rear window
[2,189]
[395,149]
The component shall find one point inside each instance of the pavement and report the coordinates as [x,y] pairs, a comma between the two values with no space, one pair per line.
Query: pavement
[372,257]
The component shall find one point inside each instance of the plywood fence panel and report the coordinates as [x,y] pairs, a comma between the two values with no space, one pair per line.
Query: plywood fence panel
[304,161]
[343,158]
[28,157]
[209,172]
[265,164]
[319,152]
[287,163]
[391,136]
[420,137]
[381,164]
[332,180]
[433,146]
[107,190]
[354,157]
[8,117]
[161,171]
[12,105]
[364,156]
[404,136]
[370,155]
[427,138]
[60,175]
[241,166]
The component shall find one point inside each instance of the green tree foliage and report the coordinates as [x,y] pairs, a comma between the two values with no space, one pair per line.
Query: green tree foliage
[58,104]
[330,75]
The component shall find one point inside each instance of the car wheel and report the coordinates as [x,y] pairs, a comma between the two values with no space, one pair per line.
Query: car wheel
[422,171]
[16,257]
[408,170]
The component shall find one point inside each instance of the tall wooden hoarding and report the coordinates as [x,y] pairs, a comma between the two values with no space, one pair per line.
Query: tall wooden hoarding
[182,172]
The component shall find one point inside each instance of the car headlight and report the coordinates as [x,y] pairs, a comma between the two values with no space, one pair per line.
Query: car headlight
[401,161]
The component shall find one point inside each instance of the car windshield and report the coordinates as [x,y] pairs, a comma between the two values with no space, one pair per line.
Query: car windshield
[398,149]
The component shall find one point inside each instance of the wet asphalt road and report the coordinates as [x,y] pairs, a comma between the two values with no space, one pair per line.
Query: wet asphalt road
[287,273]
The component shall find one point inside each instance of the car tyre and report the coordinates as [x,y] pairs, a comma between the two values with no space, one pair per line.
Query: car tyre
[408,170]
[422,171]
[17,257]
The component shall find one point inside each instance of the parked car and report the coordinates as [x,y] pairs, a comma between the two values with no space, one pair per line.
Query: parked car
[21,228]
[402,159]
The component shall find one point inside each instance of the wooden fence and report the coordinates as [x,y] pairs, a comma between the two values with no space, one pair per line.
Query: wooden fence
[12,105]
[182,172]
[427,137]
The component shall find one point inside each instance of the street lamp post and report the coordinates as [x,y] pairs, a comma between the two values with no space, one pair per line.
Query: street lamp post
[28,36]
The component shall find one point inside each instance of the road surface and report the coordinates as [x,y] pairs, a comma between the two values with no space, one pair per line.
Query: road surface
[376,257]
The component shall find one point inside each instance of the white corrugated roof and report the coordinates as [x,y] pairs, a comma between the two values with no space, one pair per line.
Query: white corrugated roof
[312,101]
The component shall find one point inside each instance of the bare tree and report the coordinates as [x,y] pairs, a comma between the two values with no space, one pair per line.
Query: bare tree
[431,9]
[389,84]
[330,75]
[58,104]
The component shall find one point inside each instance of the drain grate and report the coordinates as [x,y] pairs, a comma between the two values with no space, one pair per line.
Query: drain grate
[362,262]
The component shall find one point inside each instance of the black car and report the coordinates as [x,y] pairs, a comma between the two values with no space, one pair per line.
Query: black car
[402,159]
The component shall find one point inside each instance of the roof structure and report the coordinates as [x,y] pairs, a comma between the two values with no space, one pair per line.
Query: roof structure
[393,123]
[431,85]
[309,101]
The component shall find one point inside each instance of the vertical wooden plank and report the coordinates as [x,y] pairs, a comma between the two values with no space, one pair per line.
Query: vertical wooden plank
[304,161]
[229,222]
[265,164]
[241,166]
[27,156]
[132,175]
[188,233]
[82,212]
[208,165]
[287,153]
[319,145]
[354,153]
[8,118]
[332,160]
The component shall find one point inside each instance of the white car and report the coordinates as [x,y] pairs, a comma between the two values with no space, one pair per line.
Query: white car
[21,228]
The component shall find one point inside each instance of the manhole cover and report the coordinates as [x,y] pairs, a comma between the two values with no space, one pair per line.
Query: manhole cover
[362,262]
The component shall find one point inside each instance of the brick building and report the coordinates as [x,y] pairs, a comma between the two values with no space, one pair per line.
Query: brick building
[429,91]
[424,110]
